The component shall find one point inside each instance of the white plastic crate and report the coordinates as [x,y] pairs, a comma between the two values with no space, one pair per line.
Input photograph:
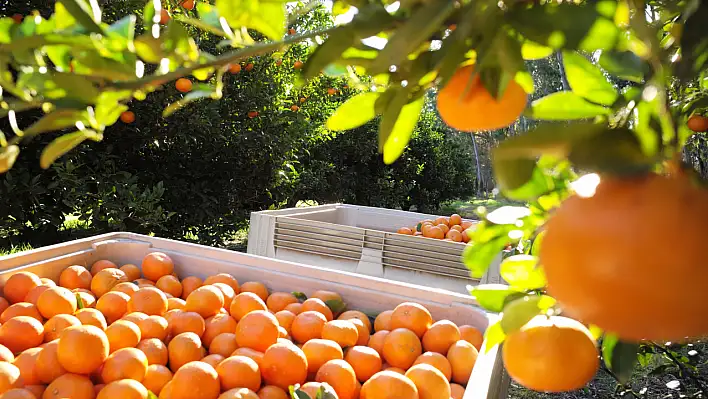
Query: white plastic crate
[363,240]
[488,380]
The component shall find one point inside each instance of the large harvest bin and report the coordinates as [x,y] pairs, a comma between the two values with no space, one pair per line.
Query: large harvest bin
[359,292]
[362,239]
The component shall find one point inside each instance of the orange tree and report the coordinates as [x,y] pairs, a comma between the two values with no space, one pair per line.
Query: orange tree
[80,72]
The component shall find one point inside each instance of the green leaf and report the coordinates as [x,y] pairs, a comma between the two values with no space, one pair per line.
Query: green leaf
[336,305]
[508,214]
[523,272]
[109,108]
[300,296]
[151,14]
[519,312]
[547,139]
[79,302]
[56,120]
[192,96]
[178,42]
[623,64]
[151,395]
[493,297]
[513,173]
[587,80]
[58,85]
[266,16]
[565,105]
[63,144]
[296,393]
[6,25]
[536,245]
[342,38]
[493,336]
[534,51]
[614,150]
[8,156]
[478,256]
[619,356]
[87,14]
[694,44]
[402,130]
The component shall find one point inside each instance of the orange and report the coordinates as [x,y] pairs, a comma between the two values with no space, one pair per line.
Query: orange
[122,334]
[431,383]
[307,325]
[47,366]
[257,330]
[239,393]
[465,104]
[224,278]
[454,235]
[170,284]
[442,221]
[105,280]
[698,123]
[18,393]
[126,288]
[82,349]
[364,360]
[10,377]
[113,305]
[294,108]
[313,388]
[91,317]
[296,308]
[433,232]
[19,285]
[166,392]
[20,333]
[57,324]
[124,389]
[249,67]
[455,219]
[124,363]
[206,300]
[4,304]
[401,348]
[272,392]
[436,360]
[394,369]
[84,298]
[376,341]
[285,319]
[21,309]
[239,372]
[612,278]
[458,228]
[156,377]
[26,362]
[343,332]
[440,336]
[412,316]
[135,317]
[564,341]
[183,85]
[457,391]
[234,68]
[405,230]
[36,390]
[462,357]
[182,322]
[389,385]
[320,351]
[143,282]
[445,228]
[175,303]
[6,355]
[227,292]
[362,330]
[248,352]
[148,300]
[297,64]
[190,284]
[472,335]
[213,360]
[131,271]
[355,314]
[246,302]
[326,296]
[185,348]
[223,344]
[101,265]
[257,288]
[340,376]
[383,321]
[158,264]
[284,365]
[318,306]
[155,351]
[277,301]
[252,114]
[72,386]
[216,325]
[75,277]
[195,380]
[153,327]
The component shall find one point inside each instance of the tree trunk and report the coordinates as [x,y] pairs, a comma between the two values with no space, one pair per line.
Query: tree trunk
[480,179]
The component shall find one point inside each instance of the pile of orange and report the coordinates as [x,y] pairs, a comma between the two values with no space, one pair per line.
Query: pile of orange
[442,228]
[123,332]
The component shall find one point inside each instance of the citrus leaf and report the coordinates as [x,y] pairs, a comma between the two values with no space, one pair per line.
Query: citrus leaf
[339,40]
[266,16]
[87,14]
[296,393]
[8,156]
[151,395]
[493,297]
[56,120]
[587,80]
[191,97]
[63,144]
[536,245]
[614,150]
[519,312]
[513,173]
[623,64]
[534,51]
[508,214]
[565,105]
[335,305]
[355,112]
[402,130]
[523,272]
[619,356]
[478,256]
[493,336]
[694,44]
[79,302]
[300,296]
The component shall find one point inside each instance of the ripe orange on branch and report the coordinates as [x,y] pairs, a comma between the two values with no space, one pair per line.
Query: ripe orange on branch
[183,85]
[127,117]
[468,106]
[607,257]
[698,123]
